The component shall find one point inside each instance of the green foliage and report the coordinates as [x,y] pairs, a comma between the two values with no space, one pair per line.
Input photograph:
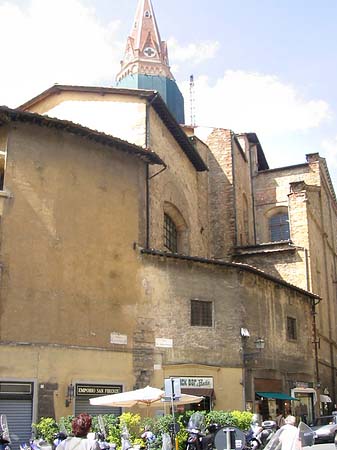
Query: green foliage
[46,428]
[242,419]
[65,422]
[158,425]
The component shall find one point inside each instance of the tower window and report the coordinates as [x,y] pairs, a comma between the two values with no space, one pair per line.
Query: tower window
[201,313]
[279,227]
[170,234]
[147,14]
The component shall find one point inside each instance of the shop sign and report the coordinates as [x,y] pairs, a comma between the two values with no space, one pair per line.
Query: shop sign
[196,382]
[301,384]
[90,390]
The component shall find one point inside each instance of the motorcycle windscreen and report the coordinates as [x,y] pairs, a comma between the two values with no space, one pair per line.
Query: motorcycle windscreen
[197,422]
[306,435]
[294,441]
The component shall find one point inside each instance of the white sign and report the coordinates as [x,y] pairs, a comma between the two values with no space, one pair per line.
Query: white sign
[172,388]
[164,343]
[120,339]
[196,382]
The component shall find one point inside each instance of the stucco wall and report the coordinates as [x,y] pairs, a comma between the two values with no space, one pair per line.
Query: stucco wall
[179,185]
[58,367]
[76,208]
[240,299]
[118,115]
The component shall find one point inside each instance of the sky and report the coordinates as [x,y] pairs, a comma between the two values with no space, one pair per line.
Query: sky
[263,66]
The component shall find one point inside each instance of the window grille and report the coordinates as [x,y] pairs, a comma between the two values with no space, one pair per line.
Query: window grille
[291,328]
[170,234]
[279,227]
[201,313]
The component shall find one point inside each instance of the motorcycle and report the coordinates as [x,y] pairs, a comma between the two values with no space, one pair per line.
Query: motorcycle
[200,437]
[101,436]
[4,433]
[259,436]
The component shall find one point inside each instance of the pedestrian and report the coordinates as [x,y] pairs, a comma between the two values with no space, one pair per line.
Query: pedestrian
[80,427]
[288,435]
[279,419]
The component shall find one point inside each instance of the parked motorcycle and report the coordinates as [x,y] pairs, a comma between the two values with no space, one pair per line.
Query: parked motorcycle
[259,436]
[4,433]
[200,437]
[101,436]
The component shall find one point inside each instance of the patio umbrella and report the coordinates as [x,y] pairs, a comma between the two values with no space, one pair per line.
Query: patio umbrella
[184,399]
[147,396]
[138,397]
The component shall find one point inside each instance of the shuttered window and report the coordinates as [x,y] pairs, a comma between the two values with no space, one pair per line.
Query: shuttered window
[201,313]
[279,227]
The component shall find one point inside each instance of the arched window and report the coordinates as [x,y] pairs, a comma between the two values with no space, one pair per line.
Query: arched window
[279,227]
[175,230]
[170,234]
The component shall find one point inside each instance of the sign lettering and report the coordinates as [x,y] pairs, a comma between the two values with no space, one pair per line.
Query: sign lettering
[96,390]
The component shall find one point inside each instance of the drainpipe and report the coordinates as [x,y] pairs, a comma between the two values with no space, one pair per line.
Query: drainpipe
[316,347]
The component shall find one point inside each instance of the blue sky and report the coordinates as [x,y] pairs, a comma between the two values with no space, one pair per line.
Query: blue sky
[267,66]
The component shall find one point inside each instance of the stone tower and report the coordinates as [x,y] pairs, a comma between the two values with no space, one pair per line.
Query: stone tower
[146,65]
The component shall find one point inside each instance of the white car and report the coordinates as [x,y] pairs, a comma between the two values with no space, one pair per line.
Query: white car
[325,429]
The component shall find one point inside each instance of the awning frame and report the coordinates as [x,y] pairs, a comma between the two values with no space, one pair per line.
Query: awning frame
[276,396]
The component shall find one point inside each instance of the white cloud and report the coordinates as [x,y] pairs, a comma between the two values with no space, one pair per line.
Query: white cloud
[245,101]
[330,151]
[193,53]
[53,41]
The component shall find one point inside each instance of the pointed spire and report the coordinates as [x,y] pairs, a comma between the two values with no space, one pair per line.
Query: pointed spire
[145,52]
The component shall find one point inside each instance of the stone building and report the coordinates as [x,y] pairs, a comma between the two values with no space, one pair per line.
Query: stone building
[133,251]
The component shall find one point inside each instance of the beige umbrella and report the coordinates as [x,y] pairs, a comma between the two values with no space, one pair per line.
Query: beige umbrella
[184,399]
[147,396]
[138,397]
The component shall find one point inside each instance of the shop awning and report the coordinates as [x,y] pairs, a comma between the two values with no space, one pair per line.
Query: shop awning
[199,391]
[276,395]
[325,399]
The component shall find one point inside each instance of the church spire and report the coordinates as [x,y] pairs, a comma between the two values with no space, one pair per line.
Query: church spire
[145,64]
[145,52]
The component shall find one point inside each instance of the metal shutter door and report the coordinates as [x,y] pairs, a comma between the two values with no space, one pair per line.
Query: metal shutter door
[83,405]
[19,418]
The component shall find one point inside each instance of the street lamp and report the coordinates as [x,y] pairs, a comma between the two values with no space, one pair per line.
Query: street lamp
[247,376]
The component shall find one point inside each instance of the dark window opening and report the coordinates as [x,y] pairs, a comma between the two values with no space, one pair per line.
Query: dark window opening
[291,328]
[170,234]
[279,227]
[201,313]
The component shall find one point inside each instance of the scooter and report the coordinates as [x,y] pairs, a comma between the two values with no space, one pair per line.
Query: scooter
[101,436]
[4,433]
[200,437]
[259,436]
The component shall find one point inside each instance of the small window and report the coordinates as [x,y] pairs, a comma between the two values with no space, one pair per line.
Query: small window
[147,14]
[201,313]
[279,227]
[291,328]
[170,234]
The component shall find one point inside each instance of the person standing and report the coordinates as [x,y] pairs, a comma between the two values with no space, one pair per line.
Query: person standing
[80,427]
[279,419]
[288,435]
